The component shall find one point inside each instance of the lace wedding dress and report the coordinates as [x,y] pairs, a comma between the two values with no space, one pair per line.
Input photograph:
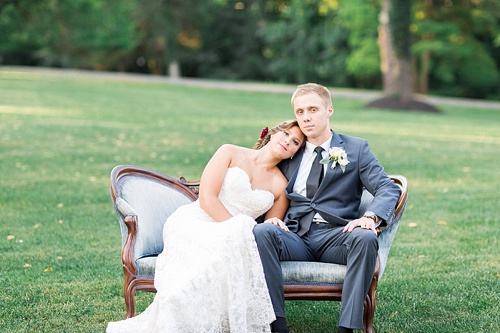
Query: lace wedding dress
[209,277]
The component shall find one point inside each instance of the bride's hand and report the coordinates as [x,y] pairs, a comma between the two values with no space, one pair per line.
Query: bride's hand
[277,222]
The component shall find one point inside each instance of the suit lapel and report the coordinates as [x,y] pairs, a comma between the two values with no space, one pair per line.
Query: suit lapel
[335,142]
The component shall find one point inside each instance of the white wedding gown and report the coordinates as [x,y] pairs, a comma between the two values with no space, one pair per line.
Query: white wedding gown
[209,277]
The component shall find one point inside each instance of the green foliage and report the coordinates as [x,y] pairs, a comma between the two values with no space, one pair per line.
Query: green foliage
[328,41]
[207,39]
[462,63]
[69,33]
[305,44]
[17,38]
[478,72]
[60,136]
[360,18]
[364,62]
[232,46]
[399,24]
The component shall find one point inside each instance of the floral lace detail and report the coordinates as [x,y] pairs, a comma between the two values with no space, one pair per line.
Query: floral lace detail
[239,198]
[209,277]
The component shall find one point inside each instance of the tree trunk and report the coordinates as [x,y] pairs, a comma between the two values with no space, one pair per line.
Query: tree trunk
[396,61]
[172,14]
[426,56]
[174,70]
[388,61]
[405,89]
[423,83]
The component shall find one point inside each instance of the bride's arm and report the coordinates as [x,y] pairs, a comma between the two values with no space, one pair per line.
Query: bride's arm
[277,212]
[211,183]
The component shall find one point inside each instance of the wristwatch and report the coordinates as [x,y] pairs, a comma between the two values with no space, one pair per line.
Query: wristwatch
[371,215]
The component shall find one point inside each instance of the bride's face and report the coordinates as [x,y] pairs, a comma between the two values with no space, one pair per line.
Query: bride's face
[288,142]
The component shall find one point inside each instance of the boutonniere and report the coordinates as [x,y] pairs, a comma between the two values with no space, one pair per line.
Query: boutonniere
[336,155]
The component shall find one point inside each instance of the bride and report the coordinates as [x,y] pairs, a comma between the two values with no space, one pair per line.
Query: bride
[209,277]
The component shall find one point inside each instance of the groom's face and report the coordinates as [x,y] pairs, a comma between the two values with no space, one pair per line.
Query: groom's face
[313,115]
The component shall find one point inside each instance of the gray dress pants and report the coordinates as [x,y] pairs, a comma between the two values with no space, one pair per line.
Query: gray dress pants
[323,243]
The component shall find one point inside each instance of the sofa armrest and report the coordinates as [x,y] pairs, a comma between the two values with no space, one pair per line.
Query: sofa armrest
[124,208]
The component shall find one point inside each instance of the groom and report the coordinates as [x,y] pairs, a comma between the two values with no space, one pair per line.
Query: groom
[326,180]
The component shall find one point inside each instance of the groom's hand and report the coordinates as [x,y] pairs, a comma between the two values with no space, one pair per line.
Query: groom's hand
[363,223]
[277,222]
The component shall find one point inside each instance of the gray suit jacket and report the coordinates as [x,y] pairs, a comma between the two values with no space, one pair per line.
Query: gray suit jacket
[339,195]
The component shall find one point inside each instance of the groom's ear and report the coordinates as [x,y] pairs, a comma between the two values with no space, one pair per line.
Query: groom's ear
[331,110]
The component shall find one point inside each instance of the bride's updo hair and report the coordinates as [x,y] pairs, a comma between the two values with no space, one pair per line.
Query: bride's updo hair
[266,133]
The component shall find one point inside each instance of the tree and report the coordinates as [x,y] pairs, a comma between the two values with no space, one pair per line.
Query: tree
[305,43]
[17,38]
[232,46]
[363,59]
[67,33]
[444,47]
[216,39]
[395,54]
[166,27]
[455,47]
[399,24]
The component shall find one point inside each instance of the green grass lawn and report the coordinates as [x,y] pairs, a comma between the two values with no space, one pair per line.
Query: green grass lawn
[60,136]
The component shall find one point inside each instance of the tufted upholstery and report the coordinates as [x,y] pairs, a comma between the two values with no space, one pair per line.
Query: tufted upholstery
[312,272]
[143,200]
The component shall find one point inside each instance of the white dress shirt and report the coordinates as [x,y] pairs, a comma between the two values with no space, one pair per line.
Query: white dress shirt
[306,163]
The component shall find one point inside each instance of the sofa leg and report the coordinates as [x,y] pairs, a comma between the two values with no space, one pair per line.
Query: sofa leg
[369,312]
[129,302]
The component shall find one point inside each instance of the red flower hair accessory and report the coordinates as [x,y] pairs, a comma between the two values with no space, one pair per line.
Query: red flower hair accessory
[264,132]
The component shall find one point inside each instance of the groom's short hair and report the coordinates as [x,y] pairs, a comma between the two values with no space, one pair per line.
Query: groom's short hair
[318,89]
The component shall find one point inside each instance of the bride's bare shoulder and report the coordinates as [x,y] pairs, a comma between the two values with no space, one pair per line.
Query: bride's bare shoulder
[233,154]
[234,150]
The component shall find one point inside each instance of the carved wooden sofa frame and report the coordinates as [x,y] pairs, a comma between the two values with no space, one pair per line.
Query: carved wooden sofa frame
[143,199]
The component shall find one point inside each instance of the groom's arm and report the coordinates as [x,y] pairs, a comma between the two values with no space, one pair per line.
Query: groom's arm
[375,180]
